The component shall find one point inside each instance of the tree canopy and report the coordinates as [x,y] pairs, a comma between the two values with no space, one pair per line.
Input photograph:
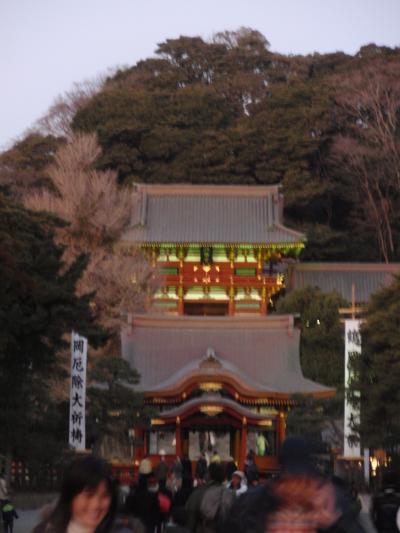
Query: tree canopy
[376,373]
[231,110]
[322,360]
[322,337]
[38,308]
[114,406]
[96,210]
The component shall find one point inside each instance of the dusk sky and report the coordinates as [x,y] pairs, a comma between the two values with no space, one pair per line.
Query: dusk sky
[47,45]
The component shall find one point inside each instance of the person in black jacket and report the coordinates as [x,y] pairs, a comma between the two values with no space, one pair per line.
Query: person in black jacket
[201,468]
[141,502]
[9,513]
[384,510]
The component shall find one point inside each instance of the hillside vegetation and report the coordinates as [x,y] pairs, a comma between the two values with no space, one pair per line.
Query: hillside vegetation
[232,111]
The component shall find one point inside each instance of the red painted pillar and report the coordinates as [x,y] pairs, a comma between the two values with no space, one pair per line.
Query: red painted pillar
[243,444]
[140,447]
[231,305]
[281,428]
[178,444]
[181,294]
[264,300]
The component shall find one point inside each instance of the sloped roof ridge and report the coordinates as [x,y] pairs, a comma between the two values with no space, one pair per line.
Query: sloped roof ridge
[193,368]
[211,400]
[161,320]
[347,267]
[187,189]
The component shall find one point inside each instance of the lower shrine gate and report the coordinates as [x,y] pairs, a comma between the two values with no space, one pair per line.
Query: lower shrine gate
[220,384]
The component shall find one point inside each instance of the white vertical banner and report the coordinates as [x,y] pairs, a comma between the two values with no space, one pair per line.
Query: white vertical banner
[77,422]
[352,346]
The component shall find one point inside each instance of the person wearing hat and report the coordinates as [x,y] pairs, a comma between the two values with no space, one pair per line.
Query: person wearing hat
[238,484]
[161,471]
[145,467]
[141,502]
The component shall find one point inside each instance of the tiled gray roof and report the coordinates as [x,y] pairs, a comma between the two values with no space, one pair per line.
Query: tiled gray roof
[339,277]
[262,351]
[208,214]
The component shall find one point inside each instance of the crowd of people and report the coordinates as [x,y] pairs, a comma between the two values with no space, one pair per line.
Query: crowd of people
[213,498]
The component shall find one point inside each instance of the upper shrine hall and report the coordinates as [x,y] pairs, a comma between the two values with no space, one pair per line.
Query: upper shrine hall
[221,250]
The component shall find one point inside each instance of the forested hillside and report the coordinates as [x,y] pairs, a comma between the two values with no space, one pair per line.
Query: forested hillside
[232,111]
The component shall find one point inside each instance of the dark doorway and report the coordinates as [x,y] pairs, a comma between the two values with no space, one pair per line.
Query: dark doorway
[206,308]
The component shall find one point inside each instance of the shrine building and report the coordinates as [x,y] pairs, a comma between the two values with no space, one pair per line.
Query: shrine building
[219,368]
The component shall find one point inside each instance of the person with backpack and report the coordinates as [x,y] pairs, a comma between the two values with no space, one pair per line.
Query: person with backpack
[217,500]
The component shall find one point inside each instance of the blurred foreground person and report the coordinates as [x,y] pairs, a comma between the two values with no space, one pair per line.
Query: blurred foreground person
[183,494]
[88,500]
[298,500]
[178,521]
[305,504]
[305,501]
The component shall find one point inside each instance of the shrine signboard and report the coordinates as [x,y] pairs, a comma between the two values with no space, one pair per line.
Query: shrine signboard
[351,414]
[77,422]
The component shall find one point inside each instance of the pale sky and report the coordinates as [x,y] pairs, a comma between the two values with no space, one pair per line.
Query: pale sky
[47,45]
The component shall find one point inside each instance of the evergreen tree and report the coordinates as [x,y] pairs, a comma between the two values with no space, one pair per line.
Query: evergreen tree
[38,309]
[114,406]
[23,167]
[322,360]
[375,387]
[322,337]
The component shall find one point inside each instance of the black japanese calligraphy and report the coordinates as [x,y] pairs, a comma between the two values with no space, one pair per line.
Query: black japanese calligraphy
[76,435]
[353,336]
[78,346]
[77,382]
[76,418]
[77,400]
[77,364]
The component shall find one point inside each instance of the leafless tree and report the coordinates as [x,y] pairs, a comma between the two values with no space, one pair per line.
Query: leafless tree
[369,104]
[58,119]
[98,211]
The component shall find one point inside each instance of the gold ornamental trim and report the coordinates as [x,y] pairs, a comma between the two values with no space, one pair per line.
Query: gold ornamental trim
[267,423]
[210,386]
[157,422]
[211,410]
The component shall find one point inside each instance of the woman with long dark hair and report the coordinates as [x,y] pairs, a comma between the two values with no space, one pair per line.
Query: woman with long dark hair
[88,500]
